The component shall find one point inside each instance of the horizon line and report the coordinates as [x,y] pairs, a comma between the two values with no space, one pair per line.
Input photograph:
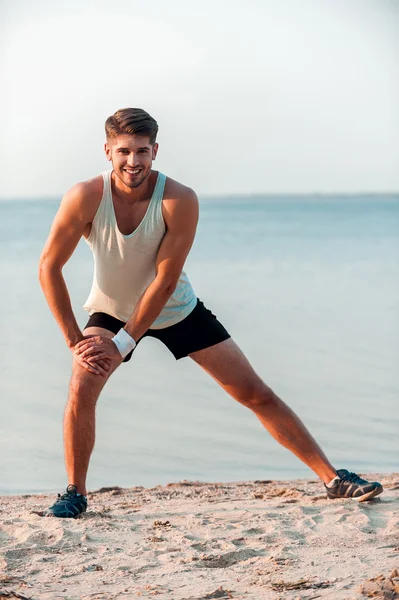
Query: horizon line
[210,195]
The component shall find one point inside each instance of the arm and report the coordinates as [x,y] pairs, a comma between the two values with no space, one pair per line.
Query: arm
[70,222]
[181,218]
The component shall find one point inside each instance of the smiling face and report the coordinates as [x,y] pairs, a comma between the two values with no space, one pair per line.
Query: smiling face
[131,156]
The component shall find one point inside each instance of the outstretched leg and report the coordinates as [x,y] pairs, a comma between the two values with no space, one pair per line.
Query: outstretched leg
[79,418]
[227,364]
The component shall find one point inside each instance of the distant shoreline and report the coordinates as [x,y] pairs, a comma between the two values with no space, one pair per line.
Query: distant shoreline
[234,196]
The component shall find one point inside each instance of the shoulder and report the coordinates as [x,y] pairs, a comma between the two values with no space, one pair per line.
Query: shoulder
[180,204]
[86,191]
[83,198]
[174,190]
[179,198]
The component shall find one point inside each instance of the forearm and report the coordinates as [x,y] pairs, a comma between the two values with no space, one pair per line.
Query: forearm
[148,308]
[57,296]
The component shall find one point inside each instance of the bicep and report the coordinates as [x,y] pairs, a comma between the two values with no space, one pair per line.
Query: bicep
[181,220]
[66,230]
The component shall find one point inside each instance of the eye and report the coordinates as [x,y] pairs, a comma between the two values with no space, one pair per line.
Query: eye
[143,151]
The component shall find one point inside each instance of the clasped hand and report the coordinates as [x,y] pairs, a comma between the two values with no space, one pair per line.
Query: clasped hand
[97,354]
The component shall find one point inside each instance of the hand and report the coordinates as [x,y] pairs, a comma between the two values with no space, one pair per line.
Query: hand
[96,366]
[93,364]
[97,348]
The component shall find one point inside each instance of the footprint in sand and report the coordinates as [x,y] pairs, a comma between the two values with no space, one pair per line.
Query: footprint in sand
[375,519]
[221,561]
[309,510]
[49,532]
[200,546]
[192,538]
[254,531]
[239,542]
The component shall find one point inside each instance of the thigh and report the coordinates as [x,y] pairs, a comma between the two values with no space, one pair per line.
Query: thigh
[100,323]
[98,331]
[200,329]
[229,366]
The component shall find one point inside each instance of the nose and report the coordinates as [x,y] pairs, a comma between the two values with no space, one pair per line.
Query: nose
[132,160]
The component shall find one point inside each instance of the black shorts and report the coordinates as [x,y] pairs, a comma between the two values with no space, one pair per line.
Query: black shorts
[199,330]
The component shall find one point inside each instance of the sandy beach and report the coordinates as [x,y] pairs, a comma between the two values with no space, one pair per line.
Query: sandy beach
[196,541]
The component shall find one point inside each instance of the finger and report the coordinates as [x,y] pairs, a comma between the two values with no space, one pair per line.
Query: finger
[81,343]
[93,351]
[87,342]
[93,358]
[85,339]
[79,350]
[102,357]
[94,361]
[89,368]
[104,364]
[101,371]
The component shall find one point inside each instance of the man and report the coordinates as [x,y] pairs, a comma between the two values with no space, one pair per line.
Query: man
[140,226]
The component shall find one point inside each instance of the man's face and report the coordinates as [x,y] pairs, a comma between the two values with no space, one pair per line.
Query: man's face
[131,157]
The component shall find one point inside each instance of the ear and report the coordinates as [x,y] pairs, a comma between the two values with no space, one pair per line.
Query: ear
[107,151]
[154,151]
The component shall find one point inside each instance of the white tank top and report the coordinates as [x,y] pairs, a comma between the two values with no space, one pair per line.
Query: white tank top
[124,265]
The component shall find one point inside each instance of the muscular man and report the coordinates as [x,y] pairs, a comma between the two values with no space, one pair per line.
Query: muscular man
[140,226]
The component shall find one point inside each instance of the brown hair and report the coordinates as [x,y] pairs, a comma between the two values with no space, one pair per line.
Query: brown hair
[134,121]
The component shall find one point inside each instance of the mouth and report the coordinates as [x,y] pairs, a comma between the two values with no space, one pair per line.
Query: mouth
[133,172]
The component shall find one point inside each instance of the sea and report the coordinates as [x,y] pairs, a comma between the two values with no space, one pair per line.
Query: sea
[308,287]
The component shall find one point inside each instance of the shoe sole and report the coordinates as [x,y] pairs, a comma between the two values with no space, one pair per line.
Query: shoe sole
[378,490]
[53,516]
[370,495]
[46,513]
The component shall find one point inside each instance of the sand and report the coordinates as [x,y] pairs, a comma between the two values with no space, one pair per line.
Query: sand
[196,541]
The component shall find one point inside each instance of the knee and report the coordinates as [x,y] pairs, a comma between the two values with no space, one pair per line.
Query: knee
[82,393]
[258,396]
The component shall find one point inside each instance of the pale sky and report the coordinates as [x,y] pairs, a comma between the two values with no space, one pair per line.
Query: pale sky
[254,96]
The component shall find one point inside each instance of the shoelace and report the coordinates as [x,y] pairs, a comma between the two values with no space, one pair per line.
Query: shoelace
[67,497]
[353,478]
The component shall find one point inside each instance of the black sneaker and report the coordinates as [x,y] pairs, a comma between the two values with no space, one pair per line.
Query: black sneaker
[68,506]
[350,485]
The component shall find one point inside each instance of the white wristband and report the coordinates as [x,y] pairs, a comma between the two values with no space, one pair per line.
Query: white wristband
[124,342]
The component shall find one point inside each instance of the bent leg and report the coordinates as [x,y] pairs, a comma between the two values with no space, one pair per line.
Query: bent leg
[227,364]
[79,418]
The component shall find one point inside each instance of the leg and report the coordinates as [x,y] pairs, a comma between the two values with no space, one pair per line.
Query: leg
[79,418]
[226,363]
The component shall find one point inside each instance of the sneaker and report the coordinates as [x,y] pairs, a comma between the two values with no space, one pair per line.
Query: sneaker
[69,505]
[350,485]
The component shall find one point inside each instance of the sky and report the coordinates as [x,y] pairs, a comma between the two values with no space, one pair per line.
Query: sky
[261,96]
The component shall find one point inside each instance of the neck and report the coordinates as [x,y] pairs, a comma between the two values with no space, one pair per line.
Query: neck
[132,195]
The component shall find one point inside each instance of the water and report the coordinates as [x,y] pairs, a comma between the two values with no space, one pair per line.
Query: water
[308,287]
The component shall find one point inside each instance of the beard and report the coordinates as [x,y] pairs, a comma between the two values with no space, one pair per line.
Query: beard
[135,181]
